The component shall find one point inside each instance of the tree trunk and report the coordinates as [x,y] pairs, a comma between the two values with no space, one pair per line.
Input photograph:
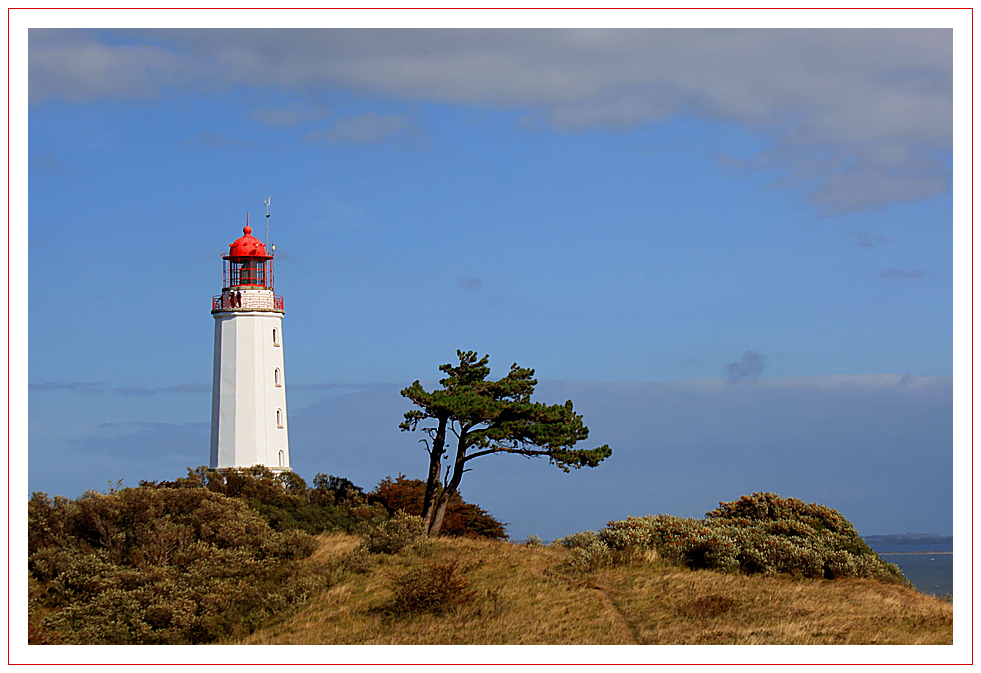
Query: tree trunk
[440,513]
[444,498]
[435,465]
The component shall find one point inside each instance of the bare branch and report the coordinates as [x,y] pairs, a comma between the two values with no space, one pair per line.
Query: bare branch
[483,453]
[526,452]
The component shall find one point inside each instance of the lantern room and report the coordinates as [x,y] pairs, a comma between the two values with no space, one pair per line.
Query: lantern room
[247,264]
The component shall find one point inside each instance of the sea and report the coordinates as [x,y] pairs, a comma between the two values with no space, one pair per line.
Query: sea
[929,566]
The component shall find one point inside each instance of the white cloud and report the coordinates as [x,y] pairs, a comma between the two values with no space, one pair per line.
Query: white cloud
[858,115]
[72,66]
[366,129]
[287,117]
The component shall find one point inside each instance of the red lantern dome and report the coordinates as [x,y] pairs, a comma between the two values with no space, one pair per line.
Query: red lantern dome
[247,277]
[248,246]
[247,264]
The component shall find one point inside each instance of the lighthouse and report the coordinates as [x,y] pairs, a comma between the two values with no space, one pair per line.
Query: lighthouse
[248,403]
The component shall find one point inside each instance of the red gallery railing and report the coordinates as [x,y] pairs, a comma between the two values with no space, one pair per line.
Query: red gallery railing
[230,301]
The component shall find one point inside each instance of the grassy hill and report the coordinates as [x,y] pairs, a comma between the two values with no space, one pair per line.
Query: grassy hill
[518,594]
[252,557]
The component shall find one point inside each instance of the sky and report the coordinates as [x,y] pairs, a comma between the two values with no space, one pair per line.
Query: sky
[733,249]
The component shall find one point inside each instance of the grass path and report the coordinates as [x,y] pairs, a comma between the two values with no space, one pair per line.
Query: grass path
[625,629]
[528,596]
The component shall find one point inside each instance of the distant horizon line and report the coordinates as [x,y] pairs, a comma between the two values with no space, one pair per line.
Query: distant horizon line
[198,387]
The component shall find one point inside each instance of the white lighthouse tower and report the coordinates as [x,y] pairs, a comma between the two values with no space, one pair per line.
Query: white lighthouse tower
[248,404]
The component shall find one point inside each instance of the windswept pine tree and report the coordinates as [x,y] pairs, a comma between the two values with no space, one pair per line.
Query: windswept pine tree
[490,417]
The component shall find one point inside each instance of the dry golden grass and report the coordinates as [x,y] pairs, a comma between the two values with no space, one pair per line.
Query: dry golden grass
[333,544]
[525,595]
[666,605]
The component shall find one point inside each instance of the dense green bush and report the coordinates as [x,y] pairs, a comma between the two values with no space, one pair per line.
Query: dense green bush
[758,534]
[329,490]
[395,534]
[158,566]
[463,519]
[591,556]
[285,501]
[577,540]
[208,556]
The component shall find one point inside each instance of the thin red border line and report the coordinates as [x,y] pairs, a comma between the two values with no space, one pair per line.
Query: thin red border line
[499,8]
[8,336]
[504,8]
[403,664]
[8,306]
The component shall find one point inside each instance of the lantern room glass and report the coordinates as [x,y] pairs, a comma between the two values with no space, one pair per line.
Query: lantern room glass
[247,272]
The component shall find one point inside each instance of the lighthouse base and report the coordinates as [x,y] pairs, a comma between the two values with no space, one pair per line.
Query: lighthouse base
[248,409]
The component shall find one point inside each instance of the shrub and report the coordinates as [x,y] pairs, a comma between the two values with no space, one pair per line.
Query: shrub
[577,540]
[873,567]
[283,499]
[328,490]
[400,493]
[366,517]
[533,541]
[424,546]
[462,519]
[158,566]
[590,557]
[393,535]
[661,531]
[710,550]
[762,533]
[357,561]
[840,564]
[433,588]
[38,635]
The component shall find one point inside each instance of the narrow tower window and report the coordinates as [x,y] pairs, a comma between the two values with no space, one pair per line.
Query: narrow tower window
[281,457]
[279,418]
[275,337]
[278,378]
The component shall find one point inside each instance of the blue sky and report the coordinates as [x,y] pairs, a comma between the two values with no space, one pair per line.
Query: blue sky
[732,249]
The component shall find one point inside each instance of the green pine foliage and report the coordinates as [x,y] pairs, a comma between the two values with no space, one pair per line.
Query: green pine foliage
[489,417]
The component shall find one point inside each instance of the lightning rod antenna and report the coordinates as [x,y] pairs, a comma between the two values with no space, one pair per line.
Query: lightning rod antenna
[267,202]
